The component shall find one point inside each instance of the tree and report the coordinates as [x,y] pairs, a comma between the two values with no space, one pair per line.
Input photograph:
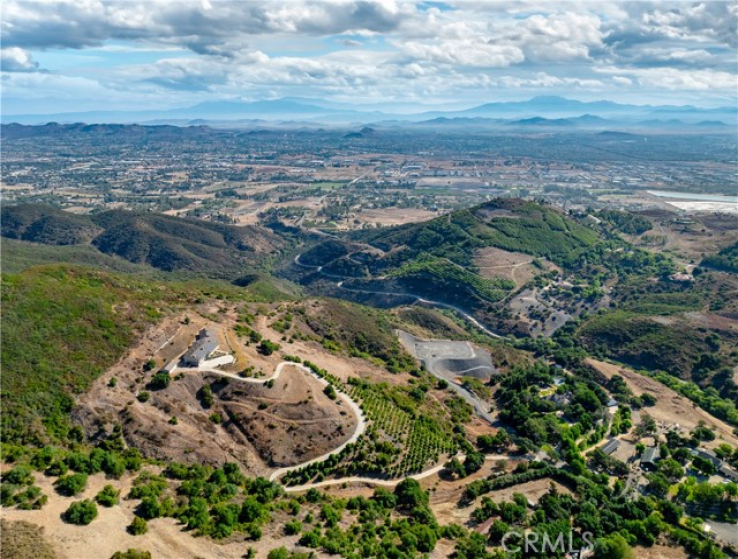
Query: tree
[149,508]
[159,381]
[671,469]
[131,554]
[20,475]
[613,547]
[279,553]
[267,348]
[658,484]
[108,496]
[293,527]
[455,467]
[703,465]
[72,484]
[330,392]
[80,513]
[410,495]
[473,462]
[138,527]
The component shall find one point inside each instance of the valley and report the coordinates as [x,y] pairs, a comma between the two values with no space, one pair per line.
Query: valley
[277,367]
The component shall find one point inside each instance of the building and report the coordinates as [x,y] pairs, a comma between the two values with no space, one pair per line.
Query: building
[649,458]
[708,455]
[728,473]
[205,345]
[610,446]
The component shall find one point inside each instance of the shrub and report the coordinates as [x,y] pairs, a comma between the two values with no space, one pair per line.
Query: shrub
[72,484]
[159,381]
[81,513]
[138,527]
[131,554]
[108,496]
[293,527]
[267,348]
[143,396]
[20,475]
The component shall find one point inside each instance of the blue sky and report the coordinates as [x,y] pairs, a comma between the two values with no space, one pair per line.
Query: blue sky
[133,54]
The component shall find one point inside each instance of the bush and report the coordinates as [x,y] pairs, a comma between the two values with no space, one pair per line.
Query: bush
[293,527]
[131,554]
[159,381]
[330,392]
[149,508]
[279,553]
[81,513]
[267,348]
[72,484]
[143,396]
[138,527]
[20,475]
[57,468]
[108,496]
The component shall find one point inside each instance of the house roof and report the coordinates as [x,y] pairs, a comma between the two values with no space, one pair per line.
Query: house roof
[729,472]
[708,455]
[610,446]
[650,455]
[206,344]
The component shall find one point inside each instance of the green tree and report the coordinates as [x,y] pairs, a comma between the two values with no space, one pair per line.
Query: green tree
[613,547]
[267,348]
[279,553]
[108,496]
[138,527]
[131,554]
[80,513]
[149,508]
[410,495]
[72,484]
[159,381]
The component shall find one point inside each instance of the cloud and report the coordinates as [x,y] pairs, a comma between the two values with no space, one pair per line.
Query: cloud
[376,49]
[15,59]
[77,24]
[471,53]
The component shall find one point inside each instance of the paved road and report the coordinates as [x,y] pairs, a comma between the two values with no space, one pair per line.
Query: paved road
[481,408]
[361,419]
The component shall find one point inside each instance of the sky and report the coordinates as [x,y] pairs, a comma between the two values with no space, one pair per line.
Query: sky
[75,55]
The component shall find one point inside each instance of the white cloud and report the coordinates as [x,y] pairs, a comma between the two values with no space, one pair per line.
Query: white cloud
[15,59]
[375,49]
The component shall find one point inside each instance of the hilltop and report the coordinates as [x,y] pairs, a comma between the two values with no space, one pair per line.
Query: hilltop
[448,259]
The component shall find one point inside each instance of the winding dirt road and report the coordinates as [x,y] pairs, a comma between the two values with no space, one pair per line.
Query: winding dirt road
[418,298]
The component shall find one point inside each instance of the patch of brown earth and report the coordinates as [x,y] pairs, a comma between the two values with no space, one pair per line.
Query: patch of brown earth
[670,408]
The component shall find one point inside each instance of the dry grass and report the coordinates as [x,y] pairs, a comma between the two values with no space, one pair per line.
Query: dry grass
[670,407]
[23,540]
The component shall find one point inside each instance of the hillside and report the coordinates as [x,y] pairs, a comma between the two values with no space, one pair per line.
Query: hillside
[510,224]
[62,327]
[448,259]
[163,242]
[726,259]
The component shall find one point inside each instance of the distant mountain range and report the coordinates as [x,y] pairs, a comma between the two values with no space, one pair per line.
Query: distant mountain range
[545,112]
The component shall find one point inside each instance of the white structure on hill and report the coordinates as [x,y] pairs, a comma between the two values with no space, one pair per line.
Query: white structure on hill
[204,352]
